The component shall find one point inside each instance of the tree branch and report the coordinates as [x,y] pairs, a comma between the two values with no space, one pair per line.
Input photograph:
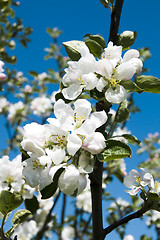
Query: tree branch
[124,220]
[44,227]
[115,20]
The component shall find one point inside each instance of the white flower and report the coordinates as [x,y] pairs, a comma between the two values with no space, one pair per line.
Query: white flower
[154,218]
[11,174]
[26,230]
[128,237]
[83,200]
[15,110]
[137,180]
[36,170]
[2,75]
[68,233]
[71,181]
[41,106]
[120,204]
[3,104]
[113,53]
[80,75]
[116,95]
[81,125]
[114,69]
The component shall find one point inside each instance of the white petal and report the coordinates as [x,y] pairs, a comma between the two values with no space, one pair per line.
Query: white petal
[132,53]
[125,71]
[61,108]
[101,84]
[31,147]
[73,143]
[104,67]
[99,118]
[94,143]
[68,181]
[117,95]
[137,63]
[82,183]
[82,109]
[72,92]
[57,155]
[45,178]
[90,80]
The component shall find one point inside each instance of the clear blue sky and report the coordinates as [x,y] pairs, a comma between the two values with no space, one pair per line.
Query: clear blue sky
[76,18]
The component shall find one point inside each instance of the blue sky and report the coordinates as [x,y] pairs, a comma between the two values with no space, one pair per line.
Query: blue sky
[76,18]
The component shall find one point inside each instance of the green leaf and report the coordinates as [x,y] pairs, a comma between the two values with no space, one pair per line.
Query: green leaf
[122,112]
[49,190]
[100,40]
[114,150]
[131,139]
[32,204]
[148,83]
[130,86]
[73,49]
[94,47]
[33,73]
[18,218]
[24,154]
[9,201]
[96,94]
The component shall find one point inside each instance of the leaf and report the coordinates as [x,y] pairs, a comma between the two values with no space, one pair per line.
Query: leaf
[49,190]
[148,83]
[24,154]
[32,204]
[131,139]
[96,94]
[122,112]
[100,40]
[18,218]
[130,86]
[9,201]
[73,49]
[33,73]
[114,150]
[94,47]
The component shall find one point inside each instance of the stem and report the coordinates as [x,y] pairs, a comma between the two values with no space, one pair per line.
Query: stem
[115,20]
[44,227]
[63,209]
[124,220]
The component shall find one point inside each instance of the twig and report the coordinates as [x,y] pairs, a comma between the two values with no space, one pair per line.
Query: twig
[44,227]
[124,220]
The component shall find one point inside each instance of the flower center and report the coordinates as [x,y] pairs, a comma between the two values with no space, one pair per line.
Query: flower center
[138,180]
[36,164]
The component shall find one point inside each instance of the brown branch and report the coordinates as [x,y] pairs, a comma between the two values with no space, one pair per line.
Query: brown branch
[96,193]
[44,227]
[115,20]
[124,220]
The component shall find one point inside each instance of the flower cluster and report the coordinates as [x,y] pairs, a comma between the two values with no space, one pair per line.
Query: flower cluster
[104,74]
[137,181]
[56,145]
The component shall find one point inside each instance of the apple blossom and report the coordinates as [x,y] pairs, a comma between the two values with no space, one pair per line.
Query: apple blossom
[15,110]
[2,75]
[138,180]
[41,106]
[26,230]
[80,75]
[68,233]
[71,181]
